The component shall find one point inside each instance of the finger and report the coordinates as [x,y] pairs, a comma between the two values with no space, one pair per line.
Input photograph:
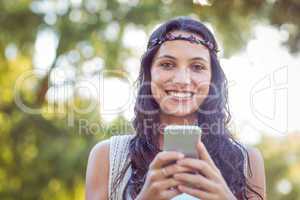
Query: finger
[197,193]
[165,184]
[197,181]
[201,166]
[173,169]
[169,194]
[165,157]
[162,173]
[204,155]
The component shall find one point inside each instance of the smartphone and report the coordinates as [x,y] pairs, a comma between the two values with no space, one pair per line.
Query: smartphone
[182,138]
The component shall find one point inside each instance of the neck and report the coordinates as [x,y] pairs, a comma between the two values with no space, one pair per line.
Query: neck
[178,120]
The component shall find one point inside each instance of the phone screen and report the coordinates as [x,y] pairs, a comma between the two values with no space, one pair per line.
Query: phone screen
[182,138]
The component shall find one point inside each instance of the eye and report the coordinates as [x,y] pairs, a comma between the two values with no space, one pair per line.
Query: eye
[198,67]
[166,65]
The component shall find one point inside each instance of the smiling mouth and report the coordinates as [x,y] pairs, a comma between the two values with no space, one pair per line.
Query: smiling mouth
[180,95]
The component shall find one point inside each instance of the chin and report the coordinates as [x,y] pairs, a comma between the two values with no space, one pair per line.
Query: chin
[179,112]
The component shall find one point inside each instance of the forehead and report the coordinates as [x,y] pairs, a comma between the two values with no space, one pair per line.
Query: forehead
[182,48]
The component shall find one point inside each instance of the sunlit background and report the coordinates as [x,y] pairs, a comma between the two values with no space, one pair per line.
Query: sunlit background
[67,80]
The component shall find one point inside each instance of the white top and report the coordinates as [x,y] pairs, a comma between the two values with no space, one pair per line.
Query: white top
[119,149]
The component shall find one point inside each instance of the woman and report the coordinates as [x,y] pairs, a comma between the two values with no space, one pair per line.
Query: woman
[180,82]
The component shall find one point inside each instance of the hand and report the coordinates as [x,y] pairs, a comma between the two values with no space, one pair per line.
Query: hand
[207,183]
[159,181]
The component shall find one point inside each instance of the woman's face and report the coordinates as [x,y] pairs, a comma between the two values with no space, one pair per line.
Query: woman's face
[180,76]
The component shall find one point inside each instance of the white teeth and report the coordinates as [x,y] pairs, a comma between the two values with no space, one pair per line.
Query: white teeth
[180,94]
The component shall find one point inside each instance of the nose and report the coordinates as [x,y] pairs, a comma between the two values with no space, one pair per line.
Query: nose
[182,76]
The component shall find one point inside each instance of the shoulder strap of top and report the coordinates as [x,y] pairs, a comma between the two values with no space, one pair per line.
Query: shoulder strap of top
[119,149]
[245,163]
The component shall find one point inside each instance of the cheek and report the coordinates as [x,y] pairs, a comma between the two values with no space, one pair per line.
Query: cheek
[158,78]
[202,85]
[158,75]
[156,83]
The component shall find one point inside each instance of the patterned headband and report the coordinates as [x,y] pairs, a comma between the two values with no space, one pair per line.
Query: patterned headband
[191,38]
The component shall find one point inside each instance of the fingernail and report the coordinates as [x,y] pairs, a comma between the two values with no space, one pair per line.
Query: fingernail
[200,142]
[181,155]
[199,139]
[179,162]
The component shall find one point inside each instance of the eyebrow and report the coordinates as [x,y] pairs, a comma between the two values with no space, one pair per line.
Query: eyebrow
[173,58]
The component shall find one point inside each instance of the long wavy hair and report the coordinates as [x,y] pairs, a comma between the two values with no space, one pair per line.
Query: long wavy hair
[226,152]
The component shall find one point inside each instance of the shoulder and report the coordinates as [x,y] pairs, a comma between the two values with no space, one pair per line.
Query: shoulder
[97,174]
[98,167]
[255,158]
[255,155]
[257,170]
[101,148]
[100,151]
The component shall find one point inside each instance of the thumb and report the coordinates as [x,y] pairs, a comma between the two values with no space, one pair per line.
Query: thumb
[199,147]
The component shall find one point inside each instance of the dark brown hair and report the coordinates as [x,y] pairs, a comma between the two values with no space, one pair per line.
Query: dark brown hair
[226,152]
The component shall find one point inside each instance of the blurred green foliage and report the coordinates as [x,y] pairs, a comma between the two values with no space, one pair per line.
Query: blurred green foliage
[44,155]
[282,165]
